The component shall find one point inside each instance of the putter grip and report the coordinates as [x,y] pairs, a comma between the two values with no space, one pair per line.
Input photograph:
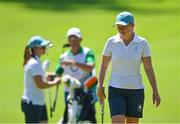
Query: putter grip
[52,77]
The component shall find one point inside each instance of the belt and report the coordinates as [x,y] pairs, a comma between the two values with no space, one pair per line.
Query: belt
[29,102]
[26,101]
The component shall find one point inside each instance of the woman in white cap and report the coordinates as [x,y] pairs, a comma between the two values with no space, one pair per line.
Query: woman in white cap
[127,51]
[79,63]
[33,99]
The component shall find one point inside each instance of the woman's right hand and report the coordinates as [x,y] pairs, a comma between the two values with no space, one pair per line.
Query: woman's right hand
[49,76]
[101,94]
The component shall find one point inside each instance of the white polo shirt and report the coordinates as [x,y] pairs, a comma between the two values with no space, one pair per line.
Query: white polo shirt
[126,61]
[31,91]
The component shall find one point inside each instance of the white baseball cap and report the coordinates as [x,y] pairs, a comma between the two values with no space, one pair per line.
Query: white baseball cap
[74,32]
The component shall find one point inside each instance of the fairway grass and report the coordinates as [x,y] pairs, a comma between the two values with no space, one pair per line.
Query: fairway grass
[158,22]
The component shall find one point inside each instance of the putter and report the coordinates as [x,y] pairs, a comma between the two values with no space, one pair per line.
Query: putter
[102,110]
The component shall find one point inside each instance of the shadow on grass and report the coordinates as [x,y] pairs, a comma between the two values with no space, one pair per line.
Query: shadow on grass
[60,4]
[111,5]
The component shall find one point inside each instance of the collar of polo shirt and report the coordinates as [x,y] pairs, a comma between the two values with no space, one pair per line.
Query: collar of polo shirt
[71,54]
[118,39]
[37,58]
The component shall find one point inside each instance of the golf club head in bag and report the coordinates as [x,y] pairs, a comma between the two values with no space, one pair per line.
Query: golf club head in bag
[90,82]
[73,106]
[71,82]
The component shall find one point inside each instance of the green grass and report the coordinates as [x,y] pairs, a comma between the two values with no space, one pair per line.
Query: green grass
[157,21]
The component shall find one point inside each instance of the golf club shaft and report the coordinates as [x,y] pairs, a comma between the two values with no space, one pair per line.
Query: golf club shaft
[56,96]
[102,108]
[102,112]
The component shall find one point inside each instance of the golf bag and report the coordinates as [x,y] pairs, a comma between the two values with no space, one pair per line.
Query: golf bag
[80,106]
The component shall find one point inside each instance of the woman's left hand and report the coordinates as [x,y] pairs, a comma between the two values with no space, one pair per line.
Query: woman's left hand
[156,99]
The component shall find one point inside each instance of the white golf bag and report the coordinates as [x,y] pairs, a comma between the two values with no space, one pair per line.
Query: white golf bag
[78,92]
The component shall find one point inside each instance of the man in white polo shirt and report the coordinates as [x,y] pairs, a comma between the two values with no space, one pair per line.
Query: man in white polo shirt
[79,63]
[127,51]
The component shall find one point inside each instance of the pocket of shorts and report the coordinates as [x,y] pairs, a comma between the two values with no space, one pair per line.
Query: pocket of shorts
[112,92]
[23,106]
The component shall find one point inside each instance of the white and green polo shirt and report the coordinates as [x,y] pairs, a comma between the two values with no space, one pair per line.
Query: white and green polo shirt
[84,56]
[126,61]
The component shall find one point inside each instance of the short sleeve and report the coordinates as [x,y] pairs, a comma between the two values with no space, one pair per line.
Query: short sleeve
[107,50]
[59,70]
[146,50]
[36,69]
[90,57]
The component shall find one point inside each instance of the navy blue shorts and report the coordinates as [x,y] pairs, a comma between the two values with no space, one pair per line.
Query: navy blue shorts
[128,102]
[34,113]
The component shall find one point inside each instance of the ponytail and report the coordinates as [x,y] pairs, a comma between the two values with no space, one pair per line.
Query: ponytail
[28,53]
